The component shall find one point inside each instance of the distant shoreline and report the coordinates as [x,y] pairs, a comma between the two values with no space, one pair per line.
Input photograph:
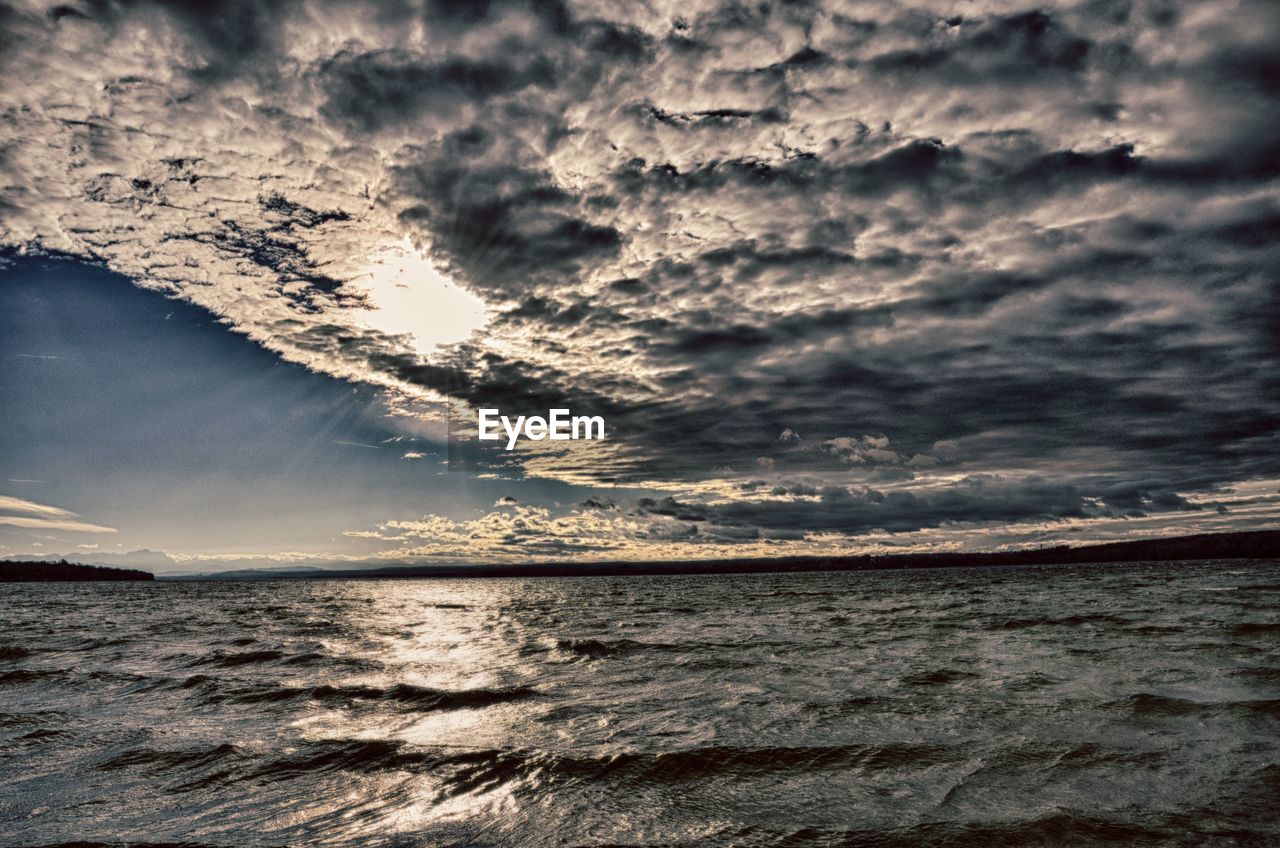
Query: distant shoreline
[1252,545]
[67,572]
[1257,545]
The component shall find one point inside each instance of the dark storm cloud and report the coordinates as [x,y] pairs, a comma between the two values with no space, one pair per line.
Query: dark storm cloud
[373,90]
[975,500]
[1020,47]
[1029,247]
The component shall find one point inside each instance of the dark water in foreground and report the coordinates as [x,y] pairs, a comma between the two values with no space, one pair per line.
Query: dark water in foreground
[1063,706]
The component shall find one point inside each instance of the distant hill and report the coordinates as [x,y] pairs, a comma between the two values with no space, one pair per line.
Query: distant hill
[1264,544]
[155,561]
[63,571]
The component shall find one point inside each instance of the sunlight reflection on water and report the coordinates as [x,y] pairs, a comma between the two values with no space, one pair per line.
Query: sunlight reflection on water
[1036,704]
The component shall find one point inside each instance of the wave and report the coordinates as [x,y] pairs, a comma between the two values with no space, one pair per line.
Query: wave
[1145,703]
[1090,755]
[9,653]
[1256,628]
[44,733]
[742,762]
[93,644]
[214,690]
[568,712]
[700,763]
[1064,827]
[597,649]
[18,744]
[1044,758]
[602,648]
[467,771]
[232,659]
[160,760]
[197,680]
[30,675]
[274,656]
[343,755]
[26,719]
[315,657]
[1148,704]
[1260,587]
[1158,629]
[1086,756]
[939,677]
[415,697]
[1260,672]
[235,659]
[1059,621]
[1031,681]
[175,684]
[859,704]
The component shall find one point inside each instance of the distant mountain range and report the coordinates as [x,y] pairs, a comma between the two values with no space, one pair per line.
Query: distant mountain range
[1262,544]
[1247,545]
[149,560]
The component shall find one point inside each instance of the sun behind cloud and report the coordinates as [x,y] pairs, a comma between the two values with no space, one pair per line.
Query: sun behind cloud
[407,295]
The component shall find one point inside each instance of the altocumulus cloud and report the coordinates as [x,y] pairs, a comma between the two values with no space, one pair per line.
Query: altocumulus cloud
[1011,265]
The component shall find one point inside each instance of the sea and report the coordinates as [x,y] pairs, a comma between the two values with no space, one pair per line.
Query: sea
[1134,704]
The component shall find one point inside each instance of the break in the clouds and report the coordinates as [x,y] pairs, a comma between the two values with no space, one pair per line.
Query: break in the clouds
[828,269]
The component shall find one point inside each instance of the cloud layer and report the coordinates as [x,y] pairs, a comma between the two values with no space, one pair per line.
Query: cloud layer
[826,268]
[30,515]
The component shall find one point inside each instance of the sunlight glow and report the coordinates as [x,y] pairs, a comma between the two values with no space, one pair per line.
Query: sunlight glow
[409,296]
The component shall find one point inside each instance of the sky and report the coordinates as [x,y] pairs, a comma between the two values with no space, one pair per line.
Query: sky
[840,278]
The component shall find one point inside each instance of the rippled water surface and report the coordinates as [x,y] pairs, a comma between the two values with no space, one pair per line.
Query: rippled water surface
[1073,706]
